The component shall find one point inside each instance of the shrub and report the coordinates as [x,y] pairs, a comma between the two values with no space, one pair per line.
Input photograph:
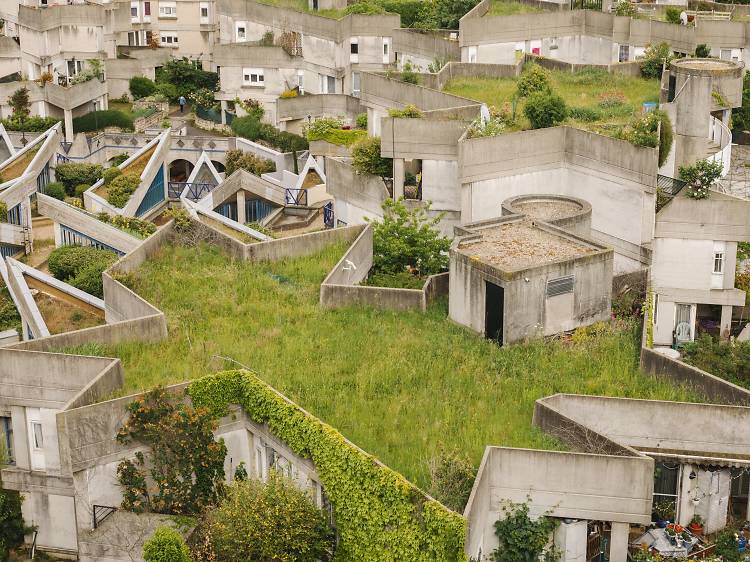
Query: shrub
[20,103]
[97,120]
[451,479]
[521,538]
[12,528]
[545,109]
[121,188]
[139,227]
[408,240]
[700,177]
[318,129]
[362,121]
[741,115]
[180,216]
[730,361]
[366,158]
[585,114]
[642,131]
[73,174]
[76,202]
[490,128]
[169,91]
[166,545]
[251,106]
[411,111]
[119,159]
[141,87]
[56,190]
[533,79]
[364,8]
[183,74]
[111,173]
[81,267]
[672,14]
[443,14]
[30,124]
[409,74]
[408,10]
[654,58]
[727,546]
[3,211]
[286,94]
[401,280]
[702,51]
[272,520]
[624,8]
[251,128]
[237,159]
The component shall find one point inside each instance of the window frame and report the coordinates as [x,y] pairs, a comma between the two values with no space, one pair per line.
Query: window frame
[260,77]
[37,440]
[167,9]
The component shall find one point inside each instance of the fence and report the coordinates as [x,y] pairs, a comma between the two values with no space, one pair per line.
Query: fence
[295,196]
[209,114]
[195,191]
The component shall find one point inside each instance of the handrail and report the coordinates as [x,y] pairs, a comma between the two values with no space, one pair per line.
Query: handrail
[721,135]
[295,196]
[101,512]
[193,190]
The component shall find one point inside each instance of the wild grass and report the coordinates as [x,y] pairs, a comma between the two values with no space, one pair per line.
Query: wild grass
[583,89]
[302,6]
[398,384]
[511,8]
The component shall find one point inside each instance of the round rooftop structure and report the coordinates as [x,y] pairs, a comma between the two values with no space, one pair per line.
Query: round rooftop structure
[707,67]
[570,213]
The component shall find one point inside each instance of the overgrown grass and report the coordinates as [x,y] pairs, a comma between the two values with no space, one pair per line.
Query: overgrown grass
[585,89]
[511,8]
[396,383]
[302,6]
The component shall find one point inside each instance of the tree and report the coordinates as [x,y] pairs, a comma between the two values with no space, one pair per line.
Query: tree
[141,87]
[700,177]
[20,103]
[12,527]
[366,158]
[166,545]
[545,109]
[272,520]
[407,240]
[672,14]
[443,14]
[521,539]
[741,115]
[654,59]
[186,76]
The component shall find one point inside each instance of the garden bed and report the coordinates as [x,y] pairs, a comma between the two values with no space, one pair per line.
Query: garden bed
[62,316]
[16,168]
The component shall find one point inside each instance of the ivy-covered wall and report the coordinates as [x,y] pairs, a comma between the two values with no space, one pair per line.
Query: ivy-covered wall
[379,514]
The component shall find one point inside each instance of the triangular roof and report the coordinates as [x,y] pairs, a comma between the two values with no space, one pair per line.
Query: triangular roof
[204,163]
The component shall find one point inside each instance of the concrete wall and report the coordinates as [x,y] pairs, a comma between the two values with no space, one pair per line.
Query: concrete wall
[453,70]
[356,196]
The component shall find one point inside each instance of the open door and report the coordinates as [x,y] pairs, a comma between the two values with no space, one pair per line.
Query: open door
[493,312]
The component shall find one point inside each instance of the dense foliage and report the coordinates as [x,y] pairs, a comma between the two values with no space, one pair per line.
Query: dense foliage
[726,360]
[443,14]
[452,477]
[184,462]
[12,527]
[34,124]
[408,240]
[20,103]
[366,158]
[702,51]
[98,120]
[700,177]
[166,545]
[3,211]
[654,59]
[237,159]
[81,267]
[410,111]
[533,79]
[520,538]
[141,87]
[121,188]
[55,189]
[741,115]
[272,520]
[74,174]
[545,109]
[9,317]
[330,129]
[186,77]
[645,130]
[379,514]
[251,128]
[136,226]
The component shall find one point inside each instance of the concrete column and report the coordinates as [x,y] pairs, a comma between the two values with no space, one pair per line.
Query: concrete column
[726,321]
[68,115]
[241,216]
[618,543]
[20,436]
[223,112]
[398,178]
[105,101]
[572,540]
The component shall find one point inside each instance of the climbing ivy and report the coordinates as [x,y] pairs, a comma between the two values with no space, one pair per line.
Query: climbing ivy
[379,514]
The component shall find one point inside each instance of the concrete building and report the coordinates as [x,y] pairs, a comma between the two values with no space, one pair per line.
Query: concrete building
[521,276]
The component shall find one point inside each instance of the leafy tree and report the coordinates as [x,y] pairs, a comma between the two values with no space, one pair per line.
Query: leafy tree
[169,91]
[545,109]
[56,190]
[451,478]
[443,14]
[20,103]
[624,8]
[408,240]
[166,545]
[672,14]
[520,538]
[654,58]
[700,177]
[141,87]
[533,79]
[271,520]
[186,77]
[702,51]
[366,158]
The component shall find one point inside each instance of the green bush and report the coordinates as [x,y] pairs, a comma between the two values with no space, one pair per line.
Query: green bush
[12,527]
[545,109]
[585,114]
[185,77]
[366,158]
[169,91]
[33,124]
[81,267]
[642,131]
[364,8]
[409,74]
[272,520]
[138,227]
[443,14]
[522,538]
[654,58]
[409,10]
[362,121]
[56,190]
[74,174]
[624,8]
[410,111]
[3,211]
[318,129]
[237,159]
[249,127]
[110,174]
[9,320]
[672,14]
[533,79]
[98,120]
[401,280]
[702,51]
[730,361]
[121,188]
[166,545]
[700,177]
[727,546]
[452,477]
[119,159]
[141,87]
[408,240]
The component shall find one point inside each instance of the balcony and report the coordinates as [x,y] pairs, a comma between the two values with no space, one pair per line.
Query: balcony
[44,19]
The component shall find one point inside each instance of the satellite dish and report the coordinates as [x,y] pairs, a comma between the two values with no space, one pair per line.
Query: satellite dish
[683,18]
[484,114]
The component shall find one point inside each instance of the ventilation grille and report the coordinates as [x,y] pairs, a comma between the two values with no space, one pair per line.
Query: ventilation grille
[560,286]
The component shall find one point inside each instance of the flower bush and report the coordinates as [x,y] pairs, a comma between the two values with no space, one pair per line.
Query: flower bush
[700,177]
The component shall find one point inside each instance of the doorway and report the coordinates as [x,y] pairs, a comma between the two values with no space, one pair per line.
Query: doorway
[493,312]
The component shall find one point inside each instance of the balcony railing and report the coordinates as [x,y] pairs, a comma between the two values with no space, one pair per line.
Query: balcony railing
[296,197]
[195,191]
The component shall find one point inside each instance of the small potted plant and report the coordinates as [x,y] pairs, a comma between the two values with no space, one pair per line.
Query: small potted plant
[696,525]
[664,512]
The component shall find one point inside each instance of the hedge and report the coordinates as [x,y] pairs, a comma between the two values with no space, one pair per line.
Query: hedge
[97,120]
[33,124]
[379,514]
[251,128]
[140,87]
[73,174]
[81,267]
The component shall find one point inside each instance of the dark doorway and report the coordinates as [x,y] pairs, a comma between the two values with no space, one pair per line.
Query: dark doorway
[493,312]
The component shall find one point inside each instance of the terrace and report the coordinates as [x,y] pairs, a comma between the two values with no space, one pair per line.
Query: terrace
[326,360]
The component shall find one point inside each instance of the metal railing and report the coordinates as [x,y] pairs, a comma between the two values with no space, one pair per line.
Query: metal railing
[62,159]
[195,191]
[101,512]
[295,196]
[328,216]
[32,548]
[667,189]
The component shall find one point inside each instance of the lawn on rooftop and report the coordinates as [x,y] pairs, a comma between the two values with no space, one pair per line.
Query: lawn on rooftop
[582,89]
[511,8]
[398,384]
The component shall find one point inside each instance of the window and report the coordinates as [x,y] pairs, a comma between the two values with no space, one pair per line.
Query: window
[169,38]
[472,54]
[301,82]
[624,53]
[259,462]
[386,50]
[74,67]
[37,437]
[666,477]
[43,3]
[204,12]
[356,80]
[241,31]
[253,77]
[134,38]
[354,46]
[147,8]
[719,262]
[6,437]
[167,10]
[134,11]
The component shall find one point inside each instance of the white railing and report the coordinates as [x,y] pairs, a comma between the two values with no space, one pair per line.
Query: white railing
[721,135]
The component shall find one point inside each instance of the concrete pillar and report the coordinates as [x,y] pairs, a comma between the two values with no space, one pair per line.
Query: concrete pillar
[20,436]
[726,321]
[105,101]
[241,216]
[68,117]
[572,540]
[618,542]
[398,178]
[223,112]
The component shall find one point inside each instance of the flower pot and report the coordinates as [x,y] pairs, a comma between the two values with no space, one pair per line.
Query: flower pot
[696,529]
